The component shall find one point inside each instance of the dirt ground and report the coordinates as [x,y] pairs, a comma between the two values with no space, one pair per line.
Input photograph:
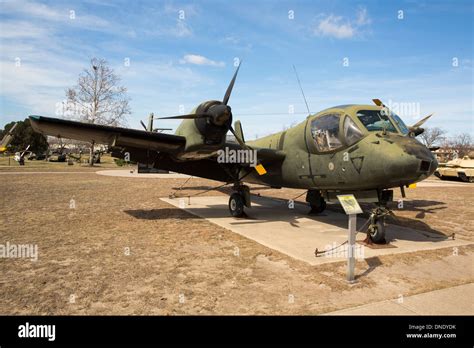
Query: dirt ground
[109,245]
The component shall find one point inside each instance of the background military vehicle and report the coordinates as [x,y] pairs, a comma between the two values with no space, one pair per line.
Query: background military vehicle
[462,168]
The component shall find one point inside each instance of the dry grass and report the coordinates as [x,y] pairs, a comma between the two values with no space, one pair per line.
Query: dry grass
[83,252]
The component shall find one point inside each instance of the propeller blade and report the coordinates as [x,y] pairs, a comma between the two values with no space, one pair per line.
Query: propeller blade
[231,85]
[259,168]
[161,129]
[143,125]
[240,141]
[378,102]
[185,117]
[420,122]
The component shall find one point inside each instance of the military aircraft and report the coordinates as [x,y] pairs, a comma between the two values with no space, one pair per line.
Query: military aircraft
[7,139]
[365,150]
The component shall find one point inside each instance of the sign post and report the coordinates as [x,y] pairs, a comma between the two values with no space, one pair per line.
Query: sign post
[351,208]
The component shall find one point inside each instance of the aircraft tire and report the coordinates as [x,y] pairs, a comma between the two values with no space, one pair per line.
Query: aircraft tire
[377,233]
[319,207]
[236,205]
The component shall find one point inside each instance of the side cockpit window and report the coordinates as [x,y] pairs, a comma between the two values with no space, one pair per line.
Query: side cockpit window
[352,133]
[325,132]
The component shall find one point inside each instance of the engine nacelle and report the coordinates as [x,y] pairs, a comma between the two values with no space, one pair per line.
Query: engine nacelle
[205,135]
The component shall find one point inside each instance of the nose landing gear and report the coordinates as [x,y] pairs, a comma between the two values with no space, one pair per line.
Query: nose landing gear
[376,229]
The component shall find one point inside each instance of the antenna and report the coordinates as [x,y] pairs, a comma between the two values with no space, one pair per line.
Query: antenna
[301,88]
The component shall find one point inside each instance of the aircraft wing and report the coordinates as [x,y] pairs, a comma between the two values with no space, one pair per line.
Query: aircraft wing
[163,147]
[113,136]
[264,155]
[209,168]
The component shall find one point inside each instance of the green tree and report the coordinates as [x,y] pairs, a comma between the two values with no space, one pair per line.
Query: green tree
[24,136]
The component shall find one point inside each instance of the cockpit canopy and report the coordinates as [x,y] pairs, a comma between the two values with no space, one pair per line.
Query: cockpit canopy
[333,130]
[374,120]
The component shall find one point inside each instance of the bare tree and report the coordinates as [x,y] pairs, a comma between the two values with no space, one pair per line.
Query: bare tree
[432,136]
[462,143]
[98,97]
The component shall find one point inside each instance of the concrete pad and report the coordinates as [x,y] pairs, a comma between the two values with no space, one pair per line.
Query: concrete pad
[441,183]
[34,173]
[458,300]
[295,233]
[133,173]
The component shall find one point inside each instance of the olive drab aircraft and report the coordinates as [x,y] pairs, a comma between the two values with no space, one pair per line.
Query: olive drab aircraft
[365,150]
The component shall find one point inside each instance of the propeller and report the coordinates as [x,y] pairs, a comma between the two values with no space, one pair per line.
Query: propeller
[414,130]
[240,141]
[423,120]
[231,86]
[219,113]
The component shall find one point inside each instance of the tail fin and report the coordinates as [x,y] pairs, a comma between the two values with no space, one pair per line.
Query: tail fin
[150,123]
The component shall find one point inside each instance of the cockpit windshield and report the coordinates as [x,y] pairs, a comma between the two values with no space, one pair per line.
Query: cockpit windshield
[401,125]
[375,120]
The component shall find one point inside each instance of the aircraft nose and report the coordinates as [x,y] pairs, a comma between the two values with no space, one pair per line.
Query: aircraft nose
[400,166]
[411,163]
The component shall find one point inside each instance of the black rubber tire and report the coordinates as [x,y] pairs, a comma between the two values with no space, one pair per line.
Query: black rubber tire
[318,207]
[377,233]
[236,205]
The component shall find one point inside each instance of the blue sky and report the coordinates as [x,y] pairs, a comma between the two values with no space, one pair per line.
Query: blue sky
[182,53]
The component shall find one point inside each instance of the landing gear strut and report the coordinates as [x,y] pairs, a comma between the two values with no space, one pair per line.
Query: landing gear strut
[316,201]
[238,200]
[376,230]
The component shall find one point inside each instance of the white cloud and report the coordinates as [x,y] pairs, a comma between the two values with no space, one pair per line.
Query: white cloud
[200,60]
[181,29]
[332,26]
[340,27]
[38,88]
[52,14]
[362,17]
[22,30]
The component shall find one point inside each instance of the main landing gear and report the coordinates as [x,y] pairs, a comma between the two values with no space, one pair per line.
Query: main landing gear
[316,201]
[238,200]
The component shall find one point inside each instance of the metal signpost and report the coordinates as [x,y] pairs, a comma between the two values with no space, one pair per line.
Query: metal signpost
[352,208]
